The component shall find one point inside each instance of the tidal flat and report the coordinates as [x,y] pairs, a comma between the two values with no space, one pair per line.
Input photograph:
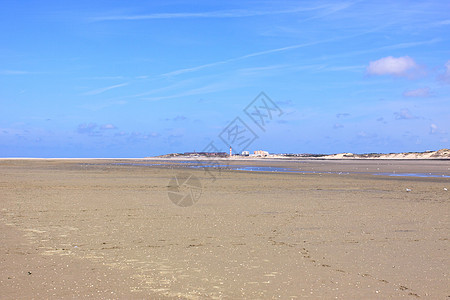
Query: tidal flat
[105,229]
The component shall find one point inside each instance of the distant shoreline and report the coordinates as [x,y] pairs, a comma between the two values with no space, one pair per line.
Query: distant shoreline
[442,154]
[439,154]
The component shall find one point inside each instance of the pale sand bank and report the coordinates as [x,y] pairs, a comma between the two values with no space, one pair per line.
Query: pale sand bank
[109,231]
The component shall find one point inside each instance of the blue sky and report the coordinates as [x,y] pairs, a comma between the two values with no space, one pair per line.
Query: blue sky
[143,78]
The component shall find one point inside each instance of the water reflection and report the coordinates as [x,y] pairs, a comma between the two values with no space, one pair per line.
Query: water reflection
[208,164]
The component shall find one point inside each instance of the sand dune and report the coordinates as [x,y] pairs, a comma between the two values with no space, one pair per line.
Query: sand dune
[440,154]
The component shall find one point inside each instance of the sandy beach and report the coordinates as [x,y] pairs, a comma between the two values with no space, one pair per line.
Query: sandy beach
[98,229]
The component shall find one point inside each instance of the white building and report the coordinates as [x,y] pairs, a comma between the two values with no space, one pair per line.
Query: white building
[261,153]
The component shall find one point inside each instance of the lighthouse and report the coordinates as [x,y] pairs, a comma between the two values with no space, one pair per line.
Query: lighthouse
[230,152]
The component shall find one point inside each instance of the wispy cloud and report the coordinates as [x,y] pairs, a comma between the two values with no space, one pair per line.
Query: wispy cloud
[332,10]
[102,90]
[384,48]
[298,46]
[237,13]
[177,118]
[441,23]
[342,115]
[14,72]
[420,92]
[410,44]
[262,71]
[104,78]
[137,136]
[344,68]
[210,88]
[254,54]
[94,106]
[193,69]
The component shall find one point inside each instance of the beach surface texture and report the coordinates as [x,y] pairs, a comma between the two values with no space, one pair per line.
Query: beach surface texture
[135,229]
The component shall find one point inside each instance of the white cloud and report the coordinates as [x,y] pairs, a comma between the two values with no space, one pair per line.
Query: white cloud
[421,92]
[87,128]
[433,128]
[446,76]
[108,126]
[404,114]
[400,66]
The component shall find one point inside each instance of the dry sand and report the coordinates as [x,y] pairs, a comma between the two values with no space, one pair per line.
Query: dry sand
[86,229]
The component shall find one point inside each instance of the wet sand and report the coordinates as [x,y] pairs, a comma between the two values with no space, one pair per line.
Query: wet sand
[424,167]
[93,229]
